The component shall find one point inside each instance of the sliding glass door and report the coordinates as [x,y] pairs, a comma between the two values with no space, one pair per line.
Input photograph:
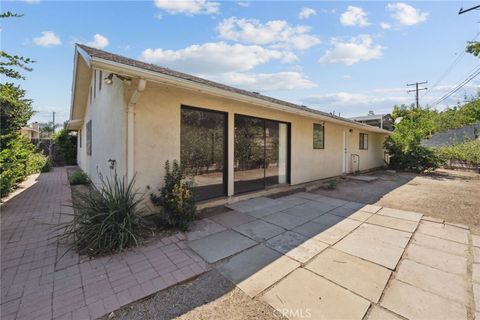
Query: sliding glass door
[261,153]
[203,150]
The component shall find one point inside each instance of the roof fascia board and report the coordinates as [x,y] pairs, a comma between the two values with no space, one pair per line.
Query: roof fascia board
[166,79]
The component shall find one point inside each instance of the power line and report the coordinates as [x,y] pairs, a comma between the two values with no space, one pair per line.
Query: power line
[416,90]
[469,9]
[469,78]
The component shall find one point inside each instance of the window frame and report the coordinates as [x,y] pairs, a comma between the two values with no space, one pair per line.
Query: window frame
[89,137]
[315,127]
[363,144]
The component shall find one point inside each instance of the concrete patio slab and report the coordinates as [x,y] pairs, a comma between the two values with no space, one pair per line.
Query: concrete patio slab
[440,244]
[267,276]
[306,250]
[247,263]
[393,223]
[259,230]
[338,231]
[476,254]
[378,313]
[308,295]
[475,240]
[447,285]
[220,245]
[305,211]
[377,244]
[414,303]
[320,207]
[310,229]
[353,205]
[285,220]
[437,259]
[280,205]
[401,214]
[332,201]
[371,208]
[293,199]
[360,276]
[308,195]
[202,228]
[360,216]
[328,219]
[343,212]
[476,272]
[286,241]
[252,204]
[476,296]
[232,219]
[444,231]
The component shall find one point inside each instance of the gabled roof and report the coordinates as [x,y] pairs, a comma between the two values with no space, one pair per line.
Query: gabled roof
[90,53]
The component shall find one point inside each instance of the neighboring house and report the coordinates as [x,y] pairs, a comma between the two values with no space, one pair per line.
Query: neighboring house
[231,140]
[453,136]
[383,121]
[31,132]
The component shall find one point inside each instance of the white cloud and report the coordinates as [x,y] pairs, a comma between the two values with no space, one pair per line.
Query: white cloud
[306,13]
[98,42]
[357,49]
[277,33]
[354,16]
[188,7]
[215,57]
[406,14]
[47,39]
[243,4]
[385,25]
[263,82]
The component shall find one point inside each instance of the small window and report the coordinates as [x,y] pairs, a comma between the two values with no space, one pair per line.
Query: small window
[95,84]
[363,141]
[80,138]
[318,136]
[90,95]
[100,80]
[89,137]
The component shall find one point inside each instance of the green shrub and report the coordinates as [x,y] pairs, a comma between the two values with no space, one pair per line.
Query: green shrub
[177,198]
[36,162]
[468,151]
[65,147]
[78,177]
[108,219]
[48,165]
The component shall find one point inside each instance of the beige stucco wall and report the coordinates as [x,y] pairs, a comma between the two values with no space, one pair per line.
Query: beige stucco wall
[157,136]
[108,114]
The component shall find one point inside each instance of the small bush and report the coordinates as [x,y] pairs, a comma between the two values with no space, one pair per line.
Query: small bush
[107,219]
[177,198]
[48,165]
[78,177]
[468,152]
[330,185]
[36,162]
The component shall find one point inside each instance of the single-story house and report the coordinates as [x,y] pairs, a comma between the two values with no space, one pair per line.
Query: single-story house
[231,141]
[31,132]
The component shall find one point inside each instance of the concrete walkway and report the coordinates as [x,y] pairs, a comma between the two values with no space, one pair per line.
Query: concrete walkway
[314,257]
[37,284]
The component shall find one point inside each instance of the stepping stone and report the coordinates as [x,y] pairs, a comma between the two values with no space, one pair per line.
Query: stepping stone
[232,219]
[221,245]
[360,276]
[447,285]
[311,296]
[377,244]
[371,208]
[328,219]
[337,232]
[307,250]
[202,228]
[444,231]
[360,216]
[440,244]
[286,221]
[476,240]
[401,214]
[343,212]
[259,230]
[247,263]
[268,276]
[437,259]
[310,229]
[394,223]
[252,204]
[414,303]
[286,241]
[378,313]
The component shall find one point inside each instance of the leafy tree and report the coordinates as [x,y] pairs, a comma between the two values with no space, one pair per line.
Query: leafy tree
[15,109]
[47,129]
[66,146]
[473,47]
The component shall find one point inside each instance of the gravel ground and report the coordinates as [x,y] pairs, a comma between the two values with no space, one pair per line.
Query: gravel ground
[209,296]
[445,194]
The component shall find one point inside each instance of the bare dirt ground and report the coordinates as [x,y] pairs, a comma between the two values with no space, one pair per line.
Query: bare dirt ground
[446,194]
[209,296]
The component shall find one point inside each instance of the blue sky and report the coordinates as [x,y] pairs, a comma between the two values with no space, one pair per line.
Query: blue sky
[347,57]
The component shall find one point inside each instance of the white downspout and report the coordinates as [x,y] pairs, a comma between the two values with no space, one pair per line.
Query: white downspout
[131,127]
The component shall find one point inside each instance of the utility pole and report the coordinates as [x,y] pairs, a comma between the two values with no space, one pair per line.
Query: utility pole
[51,136]
[416,90]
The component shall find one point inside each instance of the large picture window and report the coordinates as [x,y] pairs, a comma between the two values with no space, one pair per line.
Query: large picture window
[203,150]
[318,136]
[363,141]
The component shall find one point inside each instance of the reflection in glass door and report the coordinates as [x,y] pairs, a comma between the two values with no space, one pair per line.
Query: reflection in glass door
[203,150]
[261,153]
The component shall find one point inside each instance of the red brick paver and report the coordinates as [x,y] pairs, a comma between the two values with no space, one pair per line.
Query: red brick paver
[37,284]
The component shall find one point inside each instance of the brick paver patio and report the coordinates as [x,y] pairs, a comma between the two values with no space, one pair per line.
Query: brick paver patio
[37,284]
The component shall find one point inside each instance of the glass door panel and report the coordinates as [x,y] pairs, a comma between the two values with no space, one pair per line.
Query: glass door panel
[203,150]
